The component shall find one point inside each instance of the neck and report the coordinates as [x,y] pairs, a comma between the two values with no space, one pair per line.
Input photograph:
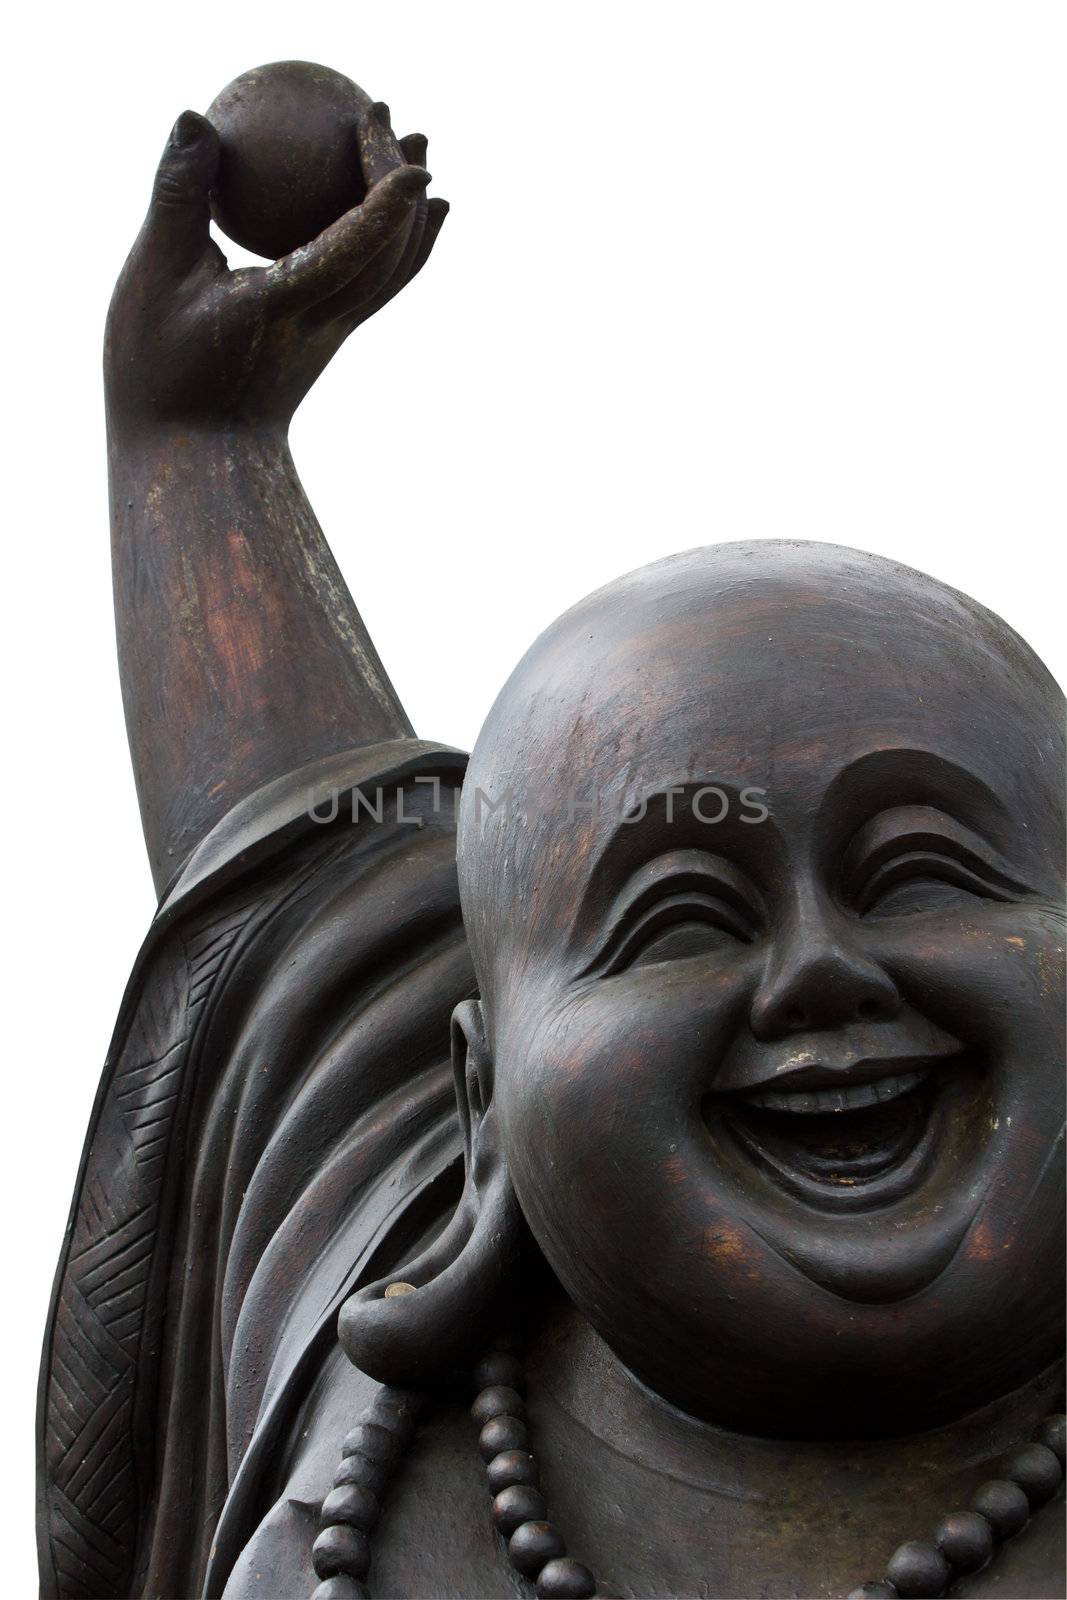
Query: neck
[820,1514]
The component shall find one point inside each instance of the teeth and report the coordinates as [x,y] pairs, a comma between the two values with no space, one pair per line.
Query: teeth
[853,1097]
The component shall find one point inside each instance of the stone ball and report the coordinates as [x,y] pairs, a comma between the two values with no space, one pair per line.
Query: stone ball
[289,154]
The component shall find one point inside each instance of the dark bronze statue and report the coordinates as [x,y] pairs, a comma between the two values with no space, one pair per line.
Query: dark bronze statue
[721,1253]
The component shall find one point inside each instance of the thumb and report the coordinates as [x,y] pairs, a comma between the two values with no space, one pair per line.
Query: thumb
[176,228]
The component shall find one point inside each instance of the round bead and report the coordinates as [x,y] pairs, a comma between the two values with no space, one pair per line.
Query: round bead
[875,1590]
[918,1569]
[512,1466]
[497,1401]
[965,1540]
[566,1578]
[1003,1505]
[358,1470]
[500,1371]
[341,1549]
[503,1433]
[339,1587]
[1037,1471]
[397,1413]
[533,1545]
[1053,1432]
[352,1504]
[370,1439]
[518,1504]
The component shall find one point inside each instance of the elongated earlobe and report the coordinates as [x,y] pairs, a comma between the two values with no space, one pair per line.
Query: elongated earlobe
[437,1312]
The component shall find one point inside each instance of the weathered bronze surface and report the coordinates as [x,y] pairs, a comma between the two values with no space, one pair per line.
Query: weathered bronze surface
[289,161]
[749,1136]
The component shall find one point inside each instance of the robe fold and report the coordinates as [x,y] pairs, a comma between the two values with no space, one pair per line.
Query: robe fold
[275,1125]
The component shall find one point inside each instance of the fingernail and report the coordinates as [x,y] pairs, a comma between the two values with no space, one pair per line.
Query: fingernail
[186,130]
[411,178]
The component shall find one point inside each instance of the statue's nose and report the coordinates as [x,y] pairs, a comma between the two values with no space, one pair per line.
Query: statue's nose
[818,976]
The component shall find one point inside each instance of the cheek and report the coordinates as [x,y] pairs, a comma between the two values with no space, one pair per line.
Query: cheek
[999,985]
[606,1090]
[996,982]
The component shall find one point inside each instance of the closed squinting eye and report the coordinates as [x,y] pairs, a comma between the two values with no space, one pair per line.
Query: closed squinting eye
[928,880]
[676,928]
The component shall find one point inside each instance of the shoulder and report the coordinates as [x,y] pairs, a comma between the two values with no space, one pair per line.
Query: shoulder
[398,784]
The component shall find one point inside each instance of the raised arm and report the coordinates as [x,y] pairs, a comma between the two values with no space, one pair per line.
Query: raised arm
[241,653]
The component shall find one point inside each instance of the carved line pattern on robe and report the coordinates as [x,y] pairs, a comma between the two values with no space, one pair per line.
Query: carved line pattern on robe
[101,1319]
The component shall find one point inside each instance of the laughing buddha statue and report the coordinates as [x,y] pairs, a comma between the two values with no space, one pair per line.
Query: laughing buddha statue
[628,1162]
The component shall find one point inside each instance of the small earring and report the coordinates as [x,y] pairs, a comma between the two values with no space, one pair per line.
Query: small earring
[408,1331]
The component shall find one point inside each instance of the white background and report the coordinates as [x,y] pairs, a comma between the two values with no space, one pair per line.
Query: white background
[713,271]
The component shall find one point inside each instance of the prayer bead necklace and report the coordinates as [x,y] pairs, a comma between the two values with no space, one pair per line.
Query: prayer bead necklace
[963,1542]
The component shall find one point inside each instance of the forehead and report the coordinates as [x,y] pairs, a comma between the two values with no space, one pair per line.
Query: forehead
[779,667]
[790,665]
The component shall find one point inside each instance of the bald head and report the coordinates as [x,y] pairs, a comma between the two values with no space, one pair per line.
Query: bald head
[768,664]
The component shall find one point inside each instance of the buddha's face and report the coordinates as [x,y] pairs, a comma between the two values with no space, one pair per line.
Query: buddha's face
[782,1094]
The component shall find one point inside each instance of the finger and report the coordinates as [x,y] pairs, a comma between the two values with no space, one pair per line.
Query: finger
[176,228]
[418,254]
[413,147]
[348,245]
[385,274]
[379,152]
[436,212]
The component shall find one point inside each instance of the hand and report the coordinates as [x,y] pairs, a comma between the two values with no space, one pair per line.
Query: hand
[192,342]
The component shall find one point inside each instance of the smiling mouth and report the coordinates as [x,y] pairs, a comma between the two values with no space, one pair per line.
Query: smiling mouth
[845,1139]
[858,1097]
[863,1142]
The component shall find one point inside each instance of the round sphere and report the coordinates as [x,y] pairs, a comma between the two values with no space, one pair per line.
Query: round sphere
[503,1433]
[341,1550]
[500,1370]
[1003,1505]
[512,1466]
[397,1412]
[289,154]
[353,1504]
[371,1440]
[498,1401]
[965,1540]
[918,1568]
[533,1545]
[519,1503]
[1053,1432]
[1037,1471]
[339,1587]
[565,1578]
[358,1470]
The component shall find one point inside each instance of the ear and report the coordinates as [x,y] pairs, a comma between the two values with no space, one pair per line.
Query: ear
[472,1070]
[439,1311]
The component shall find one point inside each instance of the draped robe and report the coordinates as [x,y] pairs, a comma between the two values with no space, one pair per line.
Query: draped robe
[275,1125]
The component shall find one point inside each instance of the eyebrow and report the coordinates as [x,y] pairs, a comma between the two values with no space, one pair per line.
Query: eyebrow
[639,840]
[905,776]
[887,828]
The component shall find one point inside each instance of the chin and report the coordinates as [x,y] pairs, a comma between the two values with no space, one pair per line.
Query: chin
[875,1281]
[794,1362]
